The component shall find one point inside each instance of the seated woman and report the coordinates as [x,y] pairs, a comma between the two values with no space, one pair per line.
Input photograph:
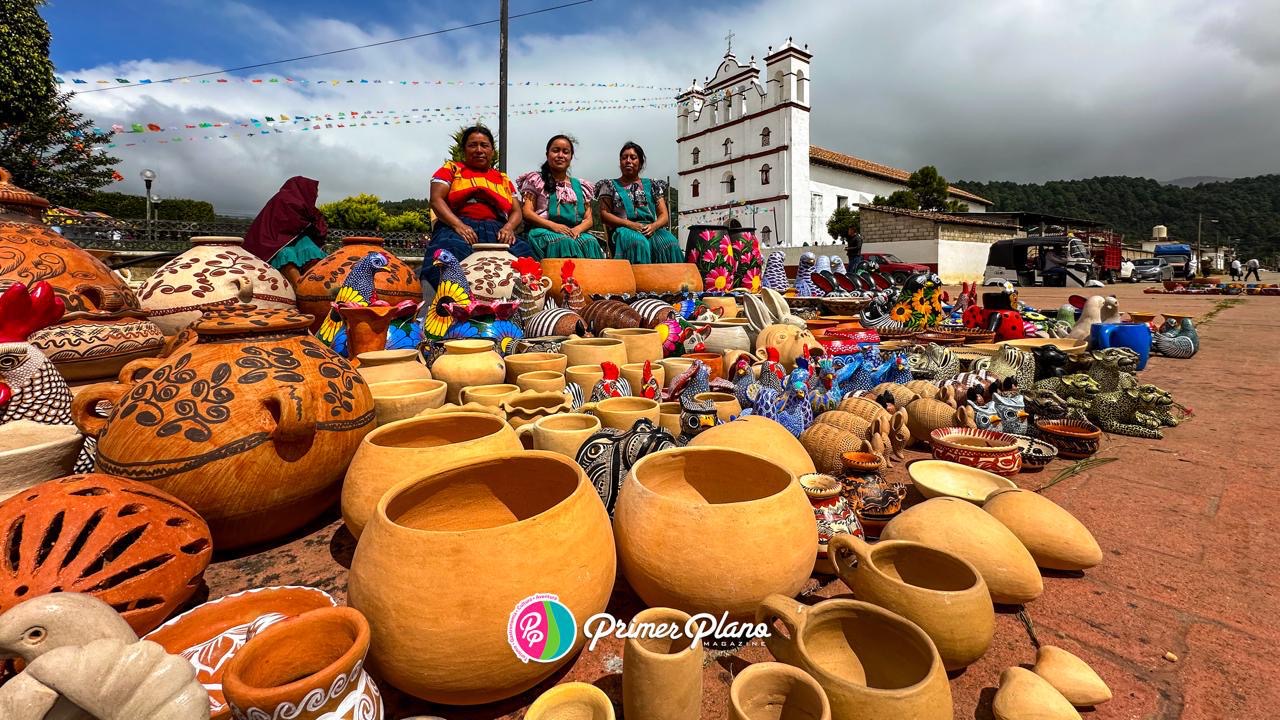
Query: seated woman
[473,203]
[635,208]
[286,230]
[560,219]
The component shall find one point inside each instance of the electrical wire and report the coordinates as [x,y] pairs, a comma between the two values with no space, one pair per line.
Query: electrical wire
[343,50]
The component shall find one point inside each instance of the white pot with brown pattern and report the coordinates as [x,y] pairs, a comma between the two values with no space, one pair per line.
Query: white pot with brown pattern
[489,272]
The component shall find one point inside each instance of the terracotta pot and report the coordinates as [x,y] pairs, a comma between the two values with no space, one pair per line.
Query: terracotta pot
[727,405]
[667,277]
[563,433]
[32,452]
[595,277]
[211,634]
[489,272]
[662,676]
[367,328]
[622,413]
[861,463]
[988,450]
[672,367]
[774,691]
[103,327]
[492,395]
[88,533]
[387,365]
[1071,676]
[633,373]
[1023,694]
[833,513]
[414,448]
[1053,536]
[451,645]
[593,351]
[310,667]
[216,273]
[571,701]
[315,290]
[960,528]
[401,399]
[1075,439]
[942,593]
[713,361]
[554,322]
[871,662]
[466,363]
[641,343]
[585,377]
[669,419]
[728,305]
[752,433]
[541,381]
[527,407]
[604,314]
[251,425]
[685,511]
[520,363]
[943,478]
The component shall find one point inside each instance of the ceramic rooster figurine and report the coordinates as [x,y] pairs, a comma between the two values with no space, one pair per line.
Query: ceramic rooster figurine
[649,387]
[453,289]
[1177,340]
[611,385]
[31,388]
[792,408]
[531,287]
[571,296]
[897,369]
[695,415]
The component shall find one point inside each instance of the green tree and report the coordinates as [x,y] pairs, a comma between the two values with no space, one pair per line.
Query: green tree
[845,221]
[955,206]
[409,221]
[929,187]
[26,73]
[358,212]
[120,205]
[456,152]
[904,199]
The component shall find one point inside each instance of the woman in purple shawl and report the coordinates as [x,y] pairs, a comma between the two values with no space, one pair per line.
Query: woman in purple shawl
[286,231]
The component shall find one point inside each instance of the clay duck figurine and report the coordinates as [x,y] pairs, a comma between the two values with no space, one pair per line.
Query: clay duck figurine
[1177,341]
[83,660]
[611,385]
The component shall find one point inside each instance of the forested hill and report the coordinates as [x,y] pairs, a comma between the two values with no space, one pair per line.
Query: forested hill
[1246,208]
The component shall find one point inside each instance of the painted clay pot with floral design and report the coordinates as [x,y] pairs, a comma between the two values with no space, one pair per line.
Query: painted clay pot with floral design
[834,513]
[310,667]
[252,425]
[489,272]
[217,272]
[103,327]
[315,290]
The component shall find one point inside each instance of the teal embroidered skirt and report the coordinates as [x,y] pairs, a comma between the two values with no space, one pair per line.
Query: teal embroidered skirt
[547,244]
[663,247]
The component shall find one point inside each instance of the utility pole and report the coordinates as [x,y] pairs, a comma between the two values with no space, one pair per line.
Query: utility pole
[502,88]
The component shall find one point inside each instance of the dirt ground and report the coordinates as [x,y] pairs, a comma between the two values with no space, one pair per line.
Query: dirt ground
[1188,526]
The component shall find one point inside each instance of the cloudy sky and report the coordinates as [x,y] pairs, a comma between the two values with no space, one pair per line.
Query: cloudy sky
[1027,90]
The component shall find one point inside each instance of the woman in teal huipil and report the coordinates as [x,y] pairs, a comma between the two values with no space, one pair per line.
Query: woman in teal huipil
[635,209]
[557,207]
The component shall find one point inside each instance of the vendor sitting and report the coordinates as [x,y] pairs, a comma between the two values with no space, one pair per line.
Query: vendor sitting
[557,206]
[473,203]
[635,209]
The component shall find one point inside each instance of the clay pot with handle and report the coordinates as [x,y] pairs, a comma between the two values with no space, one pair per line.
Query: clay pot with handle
[251,425]
[776,691]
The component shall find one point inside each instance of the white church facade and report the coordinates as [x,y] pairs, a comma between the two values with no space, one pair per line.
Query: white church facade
[744,153]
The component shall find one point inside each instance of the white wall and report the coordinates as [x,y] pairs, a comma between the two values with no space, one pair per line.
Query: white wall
[962,261]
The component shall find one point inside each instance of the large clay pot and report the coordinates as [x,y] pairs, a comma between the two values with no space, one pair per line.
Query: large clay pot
[251,425]
[641,343]
[872,662]
[662,676]
[104,327]
[217,272]
[571,701]
[388,365]
[774,691]
[402,399]
[595,277]
[1053,536]
[709,529]
[414,447]
[89,533]
[310,667]
[667,277]
[518,364]
[468,362]
[32,452]
[315,290]
[489,272]
[593,351]
[211,634]
[527,518]
[943,594]
[754,433]
[960,528]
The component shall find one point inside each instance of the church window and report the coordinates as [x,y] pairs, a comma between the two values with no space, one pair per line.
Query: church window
[695,188]
[764,174]
[696,154]
[729,183]
[767,235]
[800,86]
[728,147]
[764,137]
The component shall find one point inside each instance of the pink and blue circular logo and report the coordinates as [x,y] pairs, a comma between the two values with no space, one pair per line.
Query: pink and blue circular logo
[541,629]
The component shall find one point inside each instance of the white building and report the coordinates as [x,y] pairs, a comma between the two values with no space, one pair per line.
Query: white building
[744,153]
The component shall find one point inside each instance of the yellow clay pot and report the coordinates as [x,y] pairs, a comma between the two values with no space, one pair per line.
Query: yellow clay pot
[1071,676]
[541,381]
[641,343]
[468,362]
[1053,536]
[387,365]
[662,676]
[593,351]
[1023,695]
[571,701]
[400,399]
[758,434]
[775,691]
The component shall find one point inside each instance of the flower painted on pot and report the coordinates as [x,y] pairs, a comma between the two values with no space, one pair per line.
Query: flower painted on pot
[717,280]
[751,280]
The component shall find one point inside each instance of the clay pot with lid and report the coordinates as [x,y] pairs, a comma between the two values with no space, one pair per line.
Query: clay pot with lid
[251,424]
[103,327]
[314,292]
[217,272]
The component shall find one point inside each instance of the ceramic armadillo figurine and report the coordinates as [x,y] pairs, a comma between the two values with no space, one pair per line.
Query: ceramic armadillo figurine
[84,661]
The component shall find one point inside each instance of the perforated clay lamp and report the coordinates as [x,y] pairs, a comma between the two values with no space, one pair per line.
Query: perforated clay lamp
[1071,676]
[1053,536]
[1023,695]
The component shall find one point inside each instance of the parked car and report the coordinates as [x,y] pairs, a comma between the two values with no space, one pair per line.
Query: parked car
[893,266]
[1151,270]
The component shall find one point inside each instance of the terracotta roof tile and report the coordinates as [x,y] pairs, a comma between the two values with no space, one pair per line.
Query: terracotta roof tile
[840,161]
[951,218]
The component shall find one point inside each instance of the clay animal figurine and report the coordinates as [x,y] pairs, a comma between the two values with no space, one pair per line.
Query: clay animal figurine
[792,408]
[925,415]
[771,319]
[1177,340]
[531,287]
[768,373]
[452,289]
[1051,361]
[612,385]
[824,394]
[695,415]
[1010,362]
[1044,404]
[1077,391]
[1113,368]
[1097,309]
[1136,411]
[1011,407]
[357,290]
[31,388]
[804,271]
[571,295]
[894,370]
[84,661]
[933,362]
[775,272]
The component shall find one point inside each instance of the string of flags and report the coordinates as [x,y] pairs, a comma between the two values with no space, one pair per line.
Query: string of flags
[332,83]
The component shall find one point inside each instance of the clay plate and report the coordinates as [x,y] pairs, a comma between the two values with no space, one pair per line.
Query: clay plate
[939,478]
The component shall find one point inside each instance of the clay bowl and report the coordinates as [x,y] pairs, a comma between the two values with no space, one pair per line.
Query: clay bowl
[32,452]
[818,325]
[972,335]
[940,478]
[842,305]
[713,361]
[938,338]
[988,450]
[1036,454]
[400,399]
[1075,439]
[521,363]
[861,462]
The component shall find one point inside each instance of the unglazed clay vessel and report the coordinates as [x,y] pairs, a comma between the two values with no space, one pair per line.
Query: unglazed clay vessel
[621,413]
[126,543]
[251,424]
[871,662]
[563,434]
[388,365]
[315,290]
[527,407]
[83,660]
[1023,695]
[310,667]
[775,691]
[1071,676]
[940,478]
[753,434]
[571,701]
[667,277]
[518,364]
[1053,536]
[593,351]
[216,273]
[641,343]
[402,399]
[709,529]
[584,376]
[32,452]
[529,517]
[541,381]
[943,594]
[466,363]
[493,395]
[662,676]
[962,529]
[417,447]
[595,277]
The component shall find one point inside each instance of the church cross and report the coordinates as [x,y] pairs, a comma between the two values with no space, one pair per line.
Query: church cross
[729,38]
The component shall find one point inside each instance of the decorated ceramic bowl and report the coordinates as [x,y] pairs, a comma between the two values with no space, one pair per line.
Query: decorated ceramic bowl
[1075,439]
[1035,453]
[988,450]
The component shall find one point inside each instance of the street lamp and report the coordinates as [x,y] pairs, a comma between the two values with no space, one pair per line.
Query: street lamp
[148,176]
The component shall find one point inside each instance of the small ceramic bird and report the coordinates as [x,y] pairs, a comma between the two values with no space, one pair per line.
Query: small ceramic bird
[896,369]
[357,289]
[611,385]
[695,415]
[791,409]
[804,283]
[649,387]
[452,289]
[775,271]
[571,295]
[1177,341]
